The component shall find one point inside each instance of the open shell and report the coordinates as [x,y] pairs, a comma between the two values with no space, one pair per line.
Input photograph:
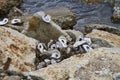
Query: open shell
[4,21]
[16,21]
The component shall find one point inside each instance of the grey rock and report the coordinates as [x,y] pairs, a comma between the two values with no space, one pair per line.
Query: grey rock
[112,39]
[63,17]
[110,29]
[100,43]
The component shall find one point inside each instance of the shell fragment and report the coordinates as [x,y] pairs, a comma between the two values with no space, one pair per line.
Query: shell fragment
[16,21]
[78,43]
[4,21]
[87,48]
[46,18]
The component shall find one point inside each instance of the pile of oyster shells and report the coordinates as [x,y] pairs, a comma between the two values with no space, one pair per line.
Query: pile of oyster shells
[56,51]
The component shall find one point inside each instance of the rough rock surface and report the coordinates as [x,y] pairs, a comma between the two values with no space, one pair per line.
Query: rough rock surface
[107,28]
[11,78]
[41,30]
[98,64]
[36,28]
[6,5]
[17,52]
[116,13]
[63,17]
[111,38]
[97,43]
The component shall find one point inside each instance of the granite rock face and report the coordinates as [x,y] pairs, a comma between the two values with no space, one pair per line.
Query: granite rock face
[99,64]
[17,52]
[110,38]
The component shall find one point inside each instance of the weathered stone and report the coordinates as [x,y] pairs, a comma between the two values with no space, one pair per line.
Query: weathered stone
[74,34]
[63,17]
[36,28]
[116,13]
[101,43]
[41,30]
[110,38]
[17,52]
[107,28]
[98,64]
[6,5]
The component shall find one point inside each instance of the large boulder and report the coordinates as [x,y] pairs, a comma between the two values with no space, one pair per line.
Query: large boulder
[41,30]
[17,52]
[63,17]
[111,38]
[99,64]
[37,28]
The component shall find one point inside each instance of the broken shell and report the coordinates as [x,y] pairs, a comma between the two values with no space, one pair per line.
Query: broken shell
[53,61]
[50,43]
[87,48]
[16,21]
[46,18]
[47,61]
[41,65]
[88,40]
[63,41]
[4,21]
[53,46]
[79,38]
[41,48]
[78,43]
[56,55]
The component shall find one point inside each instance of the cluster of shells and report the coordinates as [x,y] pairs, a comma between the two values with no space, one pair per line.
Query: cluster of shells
[55,51]
[13,21]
